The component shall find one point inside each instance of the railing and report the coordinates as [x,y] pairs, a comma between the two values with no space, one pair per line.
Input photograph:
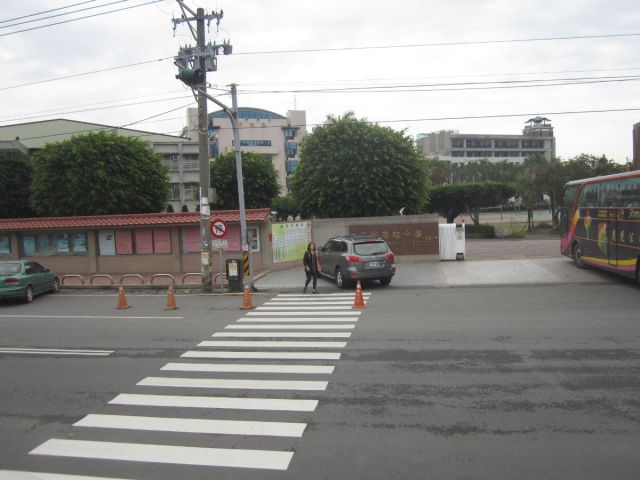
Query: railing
[219,279]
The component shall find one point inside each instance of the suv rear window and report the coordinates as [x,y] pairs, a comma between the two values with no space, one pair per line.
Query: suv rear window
[370,248]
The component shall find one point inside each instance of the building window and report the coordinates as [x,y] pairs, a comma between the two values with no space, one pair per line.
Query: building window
[289,133]
[191,162]
[508,154]
[291,166]
[507,143]
[214,149]
[457,154]
[479,154]
[532,143]
[175,192]
[457,143]
[479,143]
[5,244]
[54,243]
[172,162]
[191,191]
[291,149]
[254,143]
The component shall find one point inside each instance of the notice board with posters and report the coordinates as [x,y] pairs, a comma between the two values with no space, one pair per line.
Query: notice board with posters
[404,239]
[289,240]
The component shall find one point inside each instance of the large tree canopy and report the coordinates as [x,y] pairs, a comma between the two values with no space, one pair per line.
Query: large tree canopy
[352,168]
[14,184]
[260,180]
[451,200]
[98,174]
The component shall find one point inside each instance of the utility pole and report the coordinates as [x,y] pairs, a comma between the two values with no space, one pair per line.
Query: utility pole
[193,65]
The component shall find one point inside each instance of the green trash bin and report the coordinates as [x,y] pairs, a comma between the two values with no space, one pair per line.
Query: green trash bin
[235,274]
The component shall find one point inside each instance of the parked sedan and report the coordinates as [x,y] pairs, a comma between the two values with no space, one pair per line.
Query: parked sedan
[348,258]
[24,279]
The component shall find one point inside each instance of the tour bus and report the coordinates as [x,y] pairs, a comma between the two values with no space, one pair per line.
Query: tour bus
[600,222]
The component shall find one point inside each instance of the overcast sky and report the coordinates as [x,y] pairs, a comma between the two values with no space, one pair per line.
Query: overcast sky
[453,79]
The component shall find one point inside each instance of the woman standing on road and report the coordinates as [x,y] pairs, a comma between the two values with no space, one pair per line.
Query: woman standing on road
[311,266]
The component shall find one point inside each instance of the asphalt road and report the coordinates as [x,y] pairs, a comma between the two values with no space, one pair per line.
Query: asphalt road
[522,382]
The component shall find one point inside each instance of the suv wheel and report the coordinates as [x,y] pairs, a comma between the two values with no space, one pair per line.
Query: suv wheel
[385,280]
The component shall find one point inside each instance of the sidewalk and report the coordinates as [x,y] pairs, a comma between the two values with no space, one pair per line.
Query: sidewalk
[488,262]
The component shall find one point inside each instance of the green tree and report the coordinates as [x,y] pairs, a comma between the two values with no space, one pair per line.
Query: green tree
[260,181]
[449,201]
[15,183]
[98,174]
[285,206]
[352,168]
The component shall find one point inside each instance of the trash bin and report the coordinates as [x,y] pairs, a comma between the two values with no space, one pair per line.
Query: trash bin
[234,274]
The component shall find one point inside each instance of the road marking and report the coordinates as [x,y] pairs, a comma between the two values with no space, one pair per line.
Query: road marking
[268,344]
[264,355]
[193,425]
[321,295]
[283,334]
[327,307]
[92,317]
[136,452]
[233,383]
[18,475]
[288,327]
[247,368]
[230,403]
[56,351]
[299,319]
[293,314]
[308,303]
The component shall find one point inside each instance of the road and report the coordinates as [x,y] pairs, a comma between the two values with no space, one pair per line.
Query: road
[522,382]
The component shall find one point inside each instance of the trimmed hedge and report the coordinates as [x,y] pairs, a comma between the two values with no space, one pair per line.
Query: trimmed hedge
[479,231]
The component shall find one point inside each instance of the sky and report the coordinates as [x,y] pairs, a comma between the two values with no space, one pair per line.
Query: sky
[413,65]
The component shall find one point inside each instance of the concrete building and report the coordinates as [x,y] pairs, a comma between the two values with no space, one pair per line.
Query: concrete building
[536,139]
[262,131]
[180,154]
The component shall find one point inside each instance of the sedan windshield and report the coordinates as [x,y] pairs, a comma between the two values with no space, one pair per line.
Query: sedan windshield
[10,268]
[370,248]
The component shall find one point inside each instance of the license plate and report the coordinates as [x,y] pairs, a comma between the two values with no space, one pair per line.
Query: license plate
[374,264]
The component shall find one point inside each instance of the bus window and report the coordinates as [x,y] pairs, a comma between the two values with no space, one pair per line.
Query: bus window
[569,196]
[630,192]
[589,196]
[609,193]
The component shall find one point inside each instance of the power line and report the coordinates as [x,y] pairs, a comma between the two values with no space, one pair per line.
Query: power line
[441,44]
[63,14]
[77,19]
[157,115]
[46,11]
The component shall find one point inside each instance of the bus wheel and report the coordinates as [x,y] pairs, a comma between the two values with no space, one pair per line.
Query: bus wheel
[577,256]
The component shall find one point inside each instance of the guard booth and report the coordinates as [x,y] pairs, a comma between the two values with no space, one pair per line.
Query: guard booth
[451,241]
[235,274]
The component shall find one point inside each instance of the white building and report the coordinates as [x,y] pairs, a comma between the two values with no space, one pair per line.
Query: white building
[271,134]
[536,139]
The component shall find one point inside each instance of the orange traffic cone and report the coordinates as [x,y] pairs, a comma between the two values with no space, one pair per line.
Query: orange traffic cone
[122,300]
[246,299]
[171,300]
[359,300]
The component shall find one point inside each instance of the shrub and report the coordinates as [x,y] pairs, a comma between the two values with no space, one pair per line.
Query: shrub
[480,231]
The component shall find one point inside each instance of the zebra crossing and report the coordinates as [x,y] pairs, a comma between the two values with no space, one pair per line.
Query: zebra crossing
[295,338]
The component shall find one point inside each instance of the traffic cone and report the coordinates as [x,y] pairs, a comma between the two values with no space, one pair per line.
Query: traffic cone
[122,300]
[171,300]
[246,299]
[359,300]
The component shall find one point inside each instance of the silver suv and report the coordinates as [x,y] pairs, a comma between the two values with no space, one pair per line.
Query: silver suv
[349,258]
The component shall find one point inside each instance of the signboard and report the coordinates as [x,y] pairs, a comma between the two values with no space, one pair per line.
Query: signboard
[219,244]
[218,228]
[290,240]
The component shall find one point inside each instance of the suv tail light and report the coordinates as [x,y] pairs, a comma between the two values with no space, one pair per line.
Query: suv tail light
[390,257]
[11,280]
[353,259]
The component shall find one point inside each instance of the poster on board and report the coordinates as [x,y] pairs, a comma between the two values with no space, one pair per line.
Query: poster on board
[290,240]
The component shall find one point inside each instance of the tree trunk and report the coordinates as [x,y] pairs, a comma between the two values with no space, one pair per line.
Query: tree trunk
[529,220]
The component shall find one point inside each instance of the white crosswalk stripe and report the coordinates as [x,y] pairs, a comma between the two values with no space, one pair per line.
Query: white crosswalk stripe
[269,344]
[229,403]
[136,452]
[193,425]
[283,334]
[270,340]
[241,384]
[247,368]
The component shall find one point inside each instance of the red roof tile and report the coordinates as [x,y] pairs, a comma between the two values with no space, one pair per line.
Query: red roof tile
[131,220]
